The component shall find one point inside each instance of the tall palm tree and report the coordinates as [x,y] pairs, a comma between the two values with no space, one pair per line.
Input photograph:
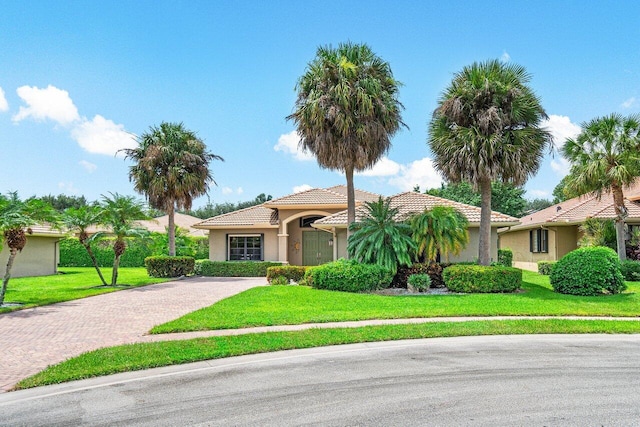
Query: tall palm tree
[487,128]
[347,110]
[605,157]
[16,219]
[379,238]
[78,220]
[120,215]
[439,231]
[171,169]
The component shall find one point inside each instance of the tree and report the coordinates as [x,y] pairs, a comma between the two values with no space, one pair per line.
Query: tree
[487,128]
[172,168]
[605,157]
[78,220]
[561,192]
[16,219]
[379,239]
[439,231]
[598,232]
[505,197]
[120,215]
[62,201]
[211,210]
[347,110]
[536,205]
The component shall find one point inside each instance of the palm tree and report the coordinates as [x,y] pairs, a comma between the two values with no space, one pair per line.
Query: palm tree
[604,158]
[16,219]
[379,238]
[78,220]
[120,215]
[439,231]
[171,169]
[487,128]
[347,110]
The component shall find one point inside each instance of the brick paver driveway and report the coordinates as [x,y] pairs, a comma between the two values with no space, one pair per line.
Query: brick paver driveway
[32,339]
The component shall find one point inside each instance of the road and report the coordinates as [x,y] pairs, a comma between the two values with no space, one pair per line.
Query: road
[509,380]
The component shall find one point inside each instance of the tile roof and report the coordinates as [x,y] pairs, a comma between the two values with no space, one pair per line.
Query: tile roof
[314,196]
[45,230]
[412,202]
[361,195]
[183,221]
[251,216]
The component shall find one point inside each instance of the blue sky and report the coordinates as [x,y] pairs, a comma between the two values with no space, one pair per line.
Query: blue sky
[78,78]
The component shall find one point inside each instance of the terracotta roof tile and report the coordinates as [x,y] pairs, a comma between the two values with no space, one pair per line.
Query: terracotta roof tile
[160,224]
[249,216]
[361,195]
[314,196]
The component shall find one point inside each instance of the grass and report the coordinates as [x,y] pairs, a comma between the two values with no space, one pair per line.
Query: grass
[71,283]
[149,355]
[289,305]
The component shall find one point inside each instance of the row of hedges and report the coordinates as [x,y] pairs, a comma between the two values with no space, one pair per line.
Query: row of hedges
[291,273]
[348,276]
[482,279]
[169,266]
[233,268]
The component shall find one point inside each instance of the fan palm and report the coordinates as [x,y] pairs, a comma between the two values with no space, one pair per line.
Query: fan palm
[487,128]
[171,169]
[347,110]
[78,220]
[439,231]
[605,157]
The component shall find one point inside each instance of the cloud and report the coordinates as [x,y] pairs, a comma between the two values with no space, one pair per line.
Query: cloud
[301,188]
[539,194]
[629,103]
[289,143]
[102,136]
[561,129]
[239,190]
[4,105]
[68,188]
[384,167]
[505,56]
[420,172]
[561,166]
[88,166]
[227,190]
[50,103]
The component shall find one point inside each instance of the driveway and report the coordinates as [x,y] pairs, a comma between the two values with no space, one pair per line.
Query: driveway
[32,339]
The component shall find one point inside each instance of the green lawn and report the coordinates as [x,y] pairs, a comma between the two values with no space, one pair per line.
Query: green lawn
[289,305]
[69,284]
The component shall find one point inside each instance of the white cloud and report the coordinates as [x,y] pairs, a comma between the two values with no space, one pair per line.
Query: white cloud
[561,166]
[539,194]
[505,56]
[239,190]
[68,188]
[561,129]
[420,172]
[301,188]
[49,103]
[88,166]
[288,143]
[102,136]
[384,167]
[227,190]
[4,105]
[629,103]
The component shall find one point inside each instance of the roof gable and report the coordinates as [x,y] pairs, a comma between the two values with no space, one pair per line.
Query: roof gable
[259,215]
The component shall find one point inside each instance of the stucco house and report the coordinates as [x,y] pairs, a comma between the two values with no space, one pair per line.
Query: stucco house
[39,257]
[549,234]
[310,228]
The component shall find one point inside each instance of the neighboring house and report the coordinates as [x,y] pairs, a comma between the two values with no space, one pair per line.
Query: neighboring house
[185,222]
[551,233]
[310,228]
[39,257]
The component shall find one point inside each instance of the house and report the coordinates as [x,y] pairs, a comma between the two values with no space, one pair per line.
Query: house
[185,222]
[549,234]
[310,227]
[40,255]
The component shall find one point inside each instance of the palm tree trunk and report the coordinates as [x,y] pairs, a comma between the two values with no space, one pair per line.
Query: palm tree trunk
[87,246]
[172,230]
[7,274]
[618,202]
[114,274]
[351,199]
[484,246]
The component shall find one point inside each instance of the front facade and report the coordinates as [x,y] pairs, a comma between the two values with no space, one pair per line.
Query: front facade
[39,257]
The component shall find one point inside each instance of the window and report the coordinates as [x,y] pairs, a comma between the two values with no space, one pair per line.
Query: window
[245,247]
[539,240]
[305,222]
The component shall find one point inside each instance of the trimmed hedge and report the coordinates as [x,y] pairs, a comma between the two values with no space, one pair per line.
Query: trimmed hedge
[348,276]
[482,279]
[433,269]
[205,267]
[73,254]
[505,257]
[169,266]
[290,272]
[630,270]
[546,267]
[589,271]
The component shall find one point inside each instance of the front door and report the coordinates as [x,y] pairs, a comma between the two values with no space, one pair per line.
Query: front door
[316,248]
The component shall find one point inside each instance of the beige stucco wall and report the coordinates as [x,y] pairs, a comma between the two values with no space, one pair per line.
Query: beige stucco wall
[38,258]
[561,241]
[218,242]
[470,252]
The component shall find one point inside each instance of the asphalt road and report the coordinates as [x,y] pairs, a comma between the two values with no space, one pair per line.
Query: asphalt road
[513,380]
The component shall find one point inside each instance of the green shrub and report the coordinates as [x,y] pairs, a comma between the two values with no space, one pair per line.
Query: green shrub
[433,269]
[290,272]
[591,270]
[546,267]
[233,268]
[505,257]
[169,266]
[630,270]
[279,280]
[482,279]
[349,276]
[73,254]
[419,282]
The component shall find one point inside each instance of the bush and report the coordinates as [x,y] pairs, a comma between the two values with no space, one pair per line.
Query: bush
[592,270]
[433,269]
[290,272]
[73,254]
[419,282]
[349,276]
[279,280]
[169,266]
[482,279]
[630,270]
[233,268]
[546,267]
[505,257]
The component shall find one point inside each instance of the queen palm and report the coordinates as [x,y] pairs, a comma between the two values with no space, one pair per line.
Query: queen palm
[605,157]
[487,128]
[439,231]
[79,220]
[171,169]
[347,110]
